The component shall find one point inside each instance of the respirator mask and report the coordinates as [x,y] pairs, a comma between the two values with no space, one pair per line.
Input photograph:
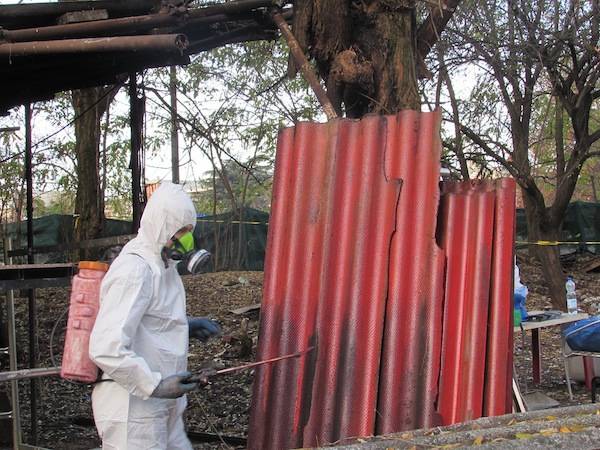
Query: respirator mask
[183,250]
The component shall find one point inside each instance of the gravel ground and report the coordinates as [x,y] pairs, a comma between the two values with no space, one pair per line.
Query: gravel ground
[222,408]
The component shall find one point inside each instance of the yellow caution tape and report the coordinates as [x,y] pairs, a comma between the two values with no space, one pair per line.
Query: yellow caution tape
[558,242]
[232,221]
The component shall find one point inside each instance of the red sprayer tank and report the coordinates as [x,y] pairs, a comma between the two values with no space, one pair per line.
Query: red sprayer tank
[84,304]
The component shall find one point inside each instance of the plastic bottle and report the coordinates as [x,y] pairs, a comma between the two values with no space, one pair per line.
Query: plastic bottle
[83,309]
[571,296]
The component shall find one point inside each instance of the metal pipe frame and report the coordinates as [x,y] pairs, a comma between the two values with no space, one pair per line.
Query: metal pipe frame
[12,358]
[161,42]
[126,25]
[25,374]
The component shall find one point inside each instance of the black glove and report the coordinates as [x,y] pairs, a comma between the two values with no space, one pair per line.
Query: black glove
[202,328]
[174,386]
[202,377]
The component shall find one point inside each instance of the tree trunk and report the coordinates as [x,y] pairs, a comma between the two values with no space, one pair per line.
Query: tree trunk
[541,228]
[89,202]
[366,52]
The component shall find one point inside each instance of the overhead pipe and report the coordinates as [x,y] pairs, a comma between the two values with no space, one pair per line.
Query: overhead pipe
[96,28]
[127,25]
[163,42]
[55,9]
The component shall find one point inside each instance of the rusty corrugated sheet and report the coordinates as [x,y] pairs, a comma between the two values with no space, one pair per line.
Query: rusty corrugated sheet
[412,338]
[335,202]
[498,396]
[353,268]
[477,229]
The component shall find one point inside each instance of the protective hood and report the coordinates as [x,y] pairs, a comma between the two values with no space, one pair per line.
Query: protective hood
[168,210]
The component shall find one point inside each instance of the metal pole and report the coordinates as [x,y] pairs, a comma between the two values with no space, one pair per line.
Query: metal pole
[174,124]
[31,293]
[12,358]
[161,42]
[29,373]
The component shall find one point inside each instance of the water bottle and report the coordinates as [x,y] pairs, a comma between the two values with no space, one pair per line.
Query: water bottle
[571,297]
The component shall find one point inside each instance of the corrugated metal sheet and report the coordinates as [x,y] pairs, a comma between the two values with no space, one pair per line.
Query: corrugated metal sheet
[467,237]
[412,337]
[353,268]
[477,233]
[497,397]
[326,275]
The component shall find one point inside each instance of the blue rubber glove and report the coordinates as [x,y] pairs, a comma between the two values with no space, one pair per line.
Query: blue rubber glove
[202,328]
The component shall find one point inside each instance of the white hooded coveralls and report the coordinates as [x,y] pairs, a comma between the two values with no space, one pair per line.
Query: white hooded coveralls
[141,333]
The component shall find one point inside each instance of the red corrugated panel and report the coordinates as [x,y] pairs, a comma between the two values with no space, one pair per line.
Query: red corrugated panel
[353,268]
[498,395]
[477,229]
[334,213]
[412,342]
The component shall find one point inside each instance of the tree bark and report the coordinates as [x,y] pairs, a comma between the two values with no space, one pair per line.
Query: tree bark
[540,227]
[365,52]
[89,105]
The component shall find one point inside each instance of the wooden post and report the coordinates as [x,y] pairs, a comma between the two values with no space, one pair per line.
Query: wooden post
[174,125]
[136,121]
[304,65]
[32,309]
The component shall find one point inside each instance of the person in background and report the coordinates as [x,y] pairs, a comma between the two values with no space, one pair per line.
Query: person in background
[140,337]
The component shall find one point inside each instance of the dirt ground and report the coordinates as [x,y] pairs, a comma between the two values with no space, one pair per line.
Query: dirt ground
[588,295]
[222,408]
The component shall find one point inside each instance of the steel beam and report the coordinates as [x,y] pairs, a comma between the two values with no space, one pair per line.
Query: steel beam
[27,276]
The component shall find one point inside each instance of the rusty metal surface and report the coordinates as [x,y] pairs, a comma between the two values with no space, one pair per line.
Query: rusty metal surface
[354,268]
[98,52]
[412,338]
[42,14]
[333,223]
[477,233]
[497,396]
[163,43]
[467,237]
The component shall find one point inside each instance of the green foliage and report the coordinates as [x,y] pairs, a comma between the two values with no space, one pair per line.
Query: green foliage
[232,102]
[250,181]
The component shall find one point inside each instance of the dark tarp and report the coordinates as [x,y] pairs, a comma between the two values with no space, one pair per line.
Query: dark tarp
[237,242]
[581,225]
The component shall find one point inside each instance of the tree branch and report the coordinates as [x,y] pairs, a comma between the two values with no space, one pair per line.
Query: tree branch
[431,28]
[477,140]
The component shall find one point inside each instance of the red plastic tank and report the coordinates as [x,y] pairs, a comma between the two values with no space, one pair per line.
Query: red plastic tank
[83,308]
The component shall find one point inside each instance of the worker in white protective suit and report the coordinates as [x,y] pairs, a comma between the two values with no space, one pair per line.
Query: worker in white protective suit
[140,337]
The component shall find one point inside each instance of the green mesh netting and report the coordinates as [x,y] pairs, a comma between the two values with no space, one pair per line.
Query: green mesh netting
[581,225]
[234,245]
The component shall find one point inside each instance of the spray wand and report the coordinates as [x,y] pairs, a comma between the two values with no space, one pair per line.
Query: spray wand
[204,374]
